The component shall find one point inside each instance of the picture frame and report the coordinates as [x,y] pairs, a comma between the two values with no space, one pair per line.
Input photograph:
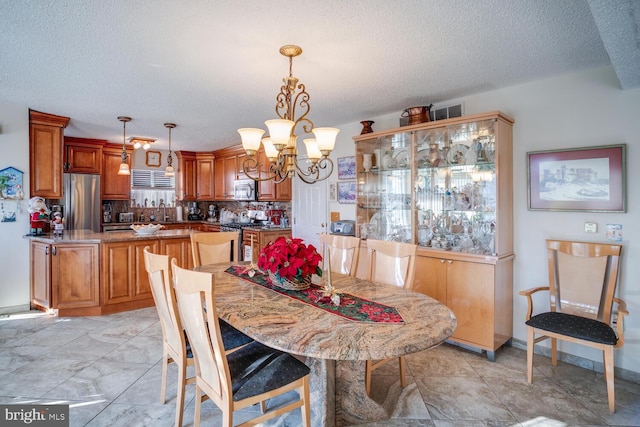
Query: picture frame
[347,167]
[347,192]
[585,179]
[333,192]
[153,158]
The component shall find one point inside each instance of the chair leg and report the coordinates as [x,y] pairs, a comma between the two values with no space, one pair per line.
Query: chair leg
[163,385]
[608,369]
[306,408]
[403,371]
[530,343]
[263,406]
[182,374]
[554,352]
[196,415]
[368,367]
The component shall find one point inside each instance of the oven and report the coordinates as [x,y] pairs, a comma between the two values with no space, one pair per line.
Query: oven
[244,239]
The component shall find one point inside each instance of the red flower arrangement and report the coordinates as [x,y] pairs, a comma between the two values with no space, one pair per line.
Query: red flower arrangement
[289,258]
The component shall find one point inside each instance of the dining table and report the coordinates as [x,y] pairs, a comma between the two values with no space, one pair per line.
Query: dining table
[333,346]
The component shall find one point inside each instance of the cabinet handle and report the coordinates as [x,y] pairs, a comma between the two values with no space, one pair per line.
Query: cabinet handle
[450,261]
[441,261]
[53,250]
[46,250]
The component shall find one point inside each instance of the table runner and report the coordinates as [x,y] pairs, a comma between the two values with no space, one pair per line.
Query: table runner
[351,307]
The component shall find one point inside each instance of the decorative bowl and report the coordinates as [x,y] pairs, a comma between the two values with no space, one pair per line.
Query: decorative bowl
[146,228]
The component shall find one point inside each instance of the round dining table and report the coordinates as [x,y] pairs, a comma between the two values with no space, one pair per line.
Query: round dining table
[335,348]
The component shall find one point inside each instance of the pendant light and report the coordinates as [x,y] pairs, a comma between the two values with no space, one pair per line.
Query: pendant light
[169,171]
[124,166]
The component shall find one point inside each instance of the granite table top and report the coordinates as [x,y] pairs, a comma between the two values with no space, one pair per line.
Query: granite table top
[295,327]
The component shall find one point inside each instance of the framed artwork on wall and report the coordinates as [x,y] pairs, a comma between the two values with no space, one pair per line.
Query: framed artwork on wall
[347,167]
[333,192]
[347,192]
[587,179]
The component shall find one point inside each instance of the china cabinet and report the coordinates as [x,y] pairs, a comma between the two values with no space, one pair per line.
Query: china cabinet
[447,186]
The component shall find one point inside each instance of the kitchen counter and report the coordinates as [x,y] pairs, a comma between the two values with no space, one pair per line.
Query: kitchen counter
[88,236]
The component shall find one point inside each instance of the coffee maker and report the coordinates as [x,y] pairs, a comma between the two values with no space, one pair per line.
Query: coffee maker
[194,212]
[106,212]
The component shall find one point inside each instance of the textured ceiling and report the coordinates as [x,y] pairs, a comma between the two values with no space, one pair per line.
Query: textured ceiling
[213,66]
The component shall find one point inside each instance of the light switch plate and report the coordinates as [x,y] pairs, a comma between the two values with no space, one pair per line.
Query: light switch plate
[590,227]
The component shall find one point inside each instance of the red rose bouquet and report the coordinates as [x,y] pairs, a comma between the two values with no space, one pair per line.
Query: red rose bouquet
[291,259]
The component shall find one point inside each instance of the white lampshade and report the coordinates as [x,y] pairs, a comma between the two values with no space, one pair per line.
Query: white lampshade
[124,169]
[250,138]
[326,138]
[169,171]
[313,152]
[269,150]
[279,131]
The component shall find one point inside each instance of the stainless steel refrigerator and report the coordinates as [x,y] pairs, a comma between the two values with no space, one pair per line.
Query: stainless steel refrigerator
[82,202]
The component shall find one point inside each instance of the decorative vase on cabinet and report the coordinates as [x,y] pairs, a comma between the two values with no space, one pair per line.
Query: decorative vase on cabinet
[447,186]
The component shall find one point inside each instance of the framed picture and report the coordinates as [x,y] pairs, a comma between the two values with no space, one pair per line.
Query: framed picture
[153,158]
[333,192]
[347,192]
[346,167]
[591,179]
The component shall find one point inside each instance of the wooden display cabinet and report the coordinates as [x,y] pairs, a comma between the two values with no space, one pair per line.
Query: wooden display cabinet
[447,186]
[46,133]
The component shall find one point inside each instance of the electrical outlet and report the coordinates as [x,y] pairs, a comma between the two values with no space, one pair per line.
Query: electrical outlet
[590,227]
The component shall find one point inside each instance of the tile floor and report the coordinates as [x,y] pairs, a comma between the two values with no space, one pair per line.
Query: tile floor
[108,370]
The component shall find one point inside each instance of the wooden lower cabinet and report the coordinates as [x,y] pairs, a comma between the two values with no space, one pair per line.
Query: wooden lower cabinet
[65,277]
[124,277]
[180,249]
[479,291]
[260,239]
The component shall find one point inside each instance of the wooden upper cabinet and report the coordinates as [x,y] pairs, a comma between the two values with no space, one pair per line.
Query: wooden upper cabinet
[187,169]
[226,172]
[82,155]
[114,186]
[45,154]
[205,176]
[269,190]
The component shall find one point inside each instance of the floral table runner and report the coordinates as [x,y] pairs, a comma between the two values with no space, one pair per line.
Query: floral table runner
[351,307]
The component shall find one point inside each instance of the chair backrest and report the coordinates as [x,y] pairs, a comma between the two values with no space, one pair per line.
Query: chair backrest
[392,263]
[215,247]
[197,307]
[344,252]
[583,277]
[157,267]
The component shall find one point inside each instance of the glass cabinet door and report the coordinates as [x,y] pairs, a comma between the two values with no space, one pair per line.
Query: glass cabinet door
[455,187]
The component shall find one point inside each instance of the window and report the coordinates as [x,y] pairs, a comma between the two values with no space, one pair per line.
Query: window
[150,188]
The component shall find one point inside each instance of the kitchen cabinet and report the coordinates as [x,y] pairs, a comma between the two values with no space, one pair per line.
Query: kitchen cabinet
[226,171]
[124,277]
[195,176]
[268,190]
[45,154]
[187,178]
[260,238]
[64,276]
[82,155]
[114,186]
[447,186]
[180,249]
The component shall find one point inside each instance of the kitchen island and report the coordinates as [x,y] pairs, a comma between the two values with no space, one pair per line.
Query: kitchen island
[84,273]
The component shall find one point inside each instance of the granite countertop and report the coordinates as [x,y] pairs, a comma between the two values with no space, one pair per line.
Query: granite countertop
[88,236]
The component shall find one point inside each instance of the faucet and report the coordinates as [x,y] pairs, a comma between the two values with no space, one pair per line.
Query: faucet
[164,210]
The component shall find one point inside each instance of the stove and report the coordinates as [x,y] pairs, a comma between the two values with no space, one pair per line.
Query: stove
[238,227]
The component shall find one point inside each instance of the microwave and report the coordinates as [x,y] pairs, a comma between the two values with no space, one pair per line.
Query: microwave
[245,189]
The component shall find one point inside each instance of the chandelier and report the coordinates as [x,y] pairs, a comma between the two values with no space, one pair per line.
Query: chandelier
[280,146]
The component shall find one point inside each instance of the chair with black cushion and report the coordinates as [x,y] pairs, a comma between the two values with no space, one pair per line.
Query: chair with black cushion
[344,252]
[215,247]
[582,284]
[391,263]
[233,381]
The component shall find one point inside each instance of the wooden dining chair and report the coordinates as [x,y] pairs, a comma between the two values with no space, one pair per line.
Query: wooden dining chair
[344,252]
[215,247]
[243,378]
[582,284]
[174,348]
[391,263]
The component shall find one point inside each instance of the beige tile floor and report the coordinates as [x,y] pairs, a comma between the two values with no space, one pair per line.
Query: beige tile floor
[108,370]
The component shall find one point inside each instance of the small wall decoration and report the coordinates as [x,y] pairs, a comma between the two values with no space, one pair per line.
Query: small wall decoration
[614,232]
[6,216]
[589,179]
[153,158]
[333,192]
[347,192]
[11,184]
[347,167]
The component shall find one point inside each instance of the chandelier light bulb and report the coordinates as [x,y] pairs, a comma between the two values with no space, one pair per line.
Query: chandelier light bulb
[326,138]
[313,152]
[251,138]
